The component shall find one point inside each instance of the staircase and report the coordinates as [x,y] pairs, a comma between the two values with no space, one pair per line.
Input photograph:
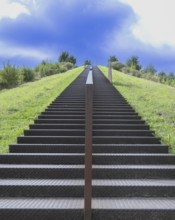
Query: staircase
[42,178]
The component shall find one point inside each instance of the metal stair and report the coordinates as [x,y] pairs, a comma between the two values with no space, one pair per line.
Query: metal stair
[43,175]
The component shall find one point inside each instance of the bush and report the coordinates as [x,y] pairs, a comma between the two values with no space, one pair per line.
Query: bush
[63,69]
[68,66]
[47,69]
[135,73]
[9,76]
[117,65]
[28,74]
[126,70]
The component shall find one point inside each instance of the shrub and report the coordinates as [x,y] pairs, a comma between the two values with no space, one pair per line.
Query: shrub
[117,65]
[126,70]
[28,74]
[68,66]
[63,69]
[46,69]
[135,73]
[9,76]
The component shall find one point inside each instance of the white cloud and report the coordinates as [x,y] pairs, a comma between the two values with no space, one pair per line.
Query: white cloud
[12,9]
[155,23]
[16,51]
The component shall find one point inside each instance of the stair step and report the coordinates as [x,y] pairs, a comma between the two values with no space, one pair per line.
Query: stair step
[95,126]
[78,158]
[65,112]
[125,140]
[57,126]
[118,121]
[77,171]
[41,208]
[81,132]
[75,188]
[47,148]
[134,208]
[79,148]
[60,121]
[72,209]
[71,117]
[52,140]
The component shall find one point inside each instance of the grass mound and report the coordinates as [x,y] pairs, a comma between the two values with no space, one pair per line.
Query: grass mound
[153,101]
[20,106]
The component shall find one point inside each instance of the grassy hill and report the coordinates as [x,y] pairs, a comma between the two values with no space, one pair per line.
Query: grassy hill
[153,101]
[21,105]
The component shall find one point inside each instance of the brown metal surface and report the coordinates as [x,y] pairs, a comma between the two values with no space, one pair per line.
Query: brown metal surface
[88,149]
[110,72]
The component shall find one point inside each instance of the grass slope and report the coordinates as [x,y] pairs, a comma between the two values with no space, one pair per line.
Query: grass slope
[21,105]
[153,101]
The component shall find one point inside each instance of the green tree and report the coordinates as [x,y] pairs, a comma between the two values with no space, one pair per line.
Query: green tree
[150,69]
[171,76]
[63,57]
[133,63]
[162,77]
[113,59]
[71,59]
[87,62]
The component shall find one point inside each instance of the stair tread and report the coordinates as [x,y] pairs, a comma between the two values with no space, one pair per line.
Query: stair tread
[78,203]
[80,182]
[80,166]
[94,154]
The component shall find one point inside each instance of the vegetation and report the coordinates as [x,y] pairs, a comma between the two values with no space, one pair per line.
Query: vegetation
[133,68]
[113,59]
[87,62]
[153,101]
[66,57]
[11,76]
[133,63]
[21,105]
[116,65]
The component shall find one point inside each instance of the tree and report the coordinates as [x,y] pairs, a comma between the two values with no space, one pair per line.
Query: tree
[87,62]
[162,76]
[171,76]
[150,69]
[133,63]
[66,57]
[113,59]
[71,59]
[63,56]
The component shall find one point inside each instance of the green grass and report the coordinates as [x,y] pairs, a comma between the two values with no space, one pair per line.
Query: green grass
[20,106]
[153,101]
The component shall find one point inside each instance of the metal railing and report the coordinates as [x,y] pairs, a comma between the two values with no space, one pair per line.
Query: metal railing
[88,147]
[110,72]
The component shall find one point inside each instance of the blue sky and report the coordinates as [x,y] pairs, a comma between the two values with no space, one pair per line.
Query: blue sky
[36,30]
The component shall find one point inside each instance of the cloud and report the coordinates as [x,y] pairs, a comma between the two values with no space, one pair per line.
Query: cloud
[78,26]
[14,51]
[89,29]
[11,9]
[155,21]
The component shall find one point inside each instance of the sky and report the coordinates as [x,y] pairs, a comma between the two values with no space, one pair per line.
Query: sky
[36,30]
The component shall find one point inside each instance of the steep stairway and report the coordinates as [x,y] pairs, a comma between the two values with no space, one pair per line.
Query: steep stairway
[43,175]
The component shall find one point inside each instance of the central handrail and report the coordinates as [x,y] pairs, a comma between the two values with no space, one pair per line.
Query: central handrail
[88,147]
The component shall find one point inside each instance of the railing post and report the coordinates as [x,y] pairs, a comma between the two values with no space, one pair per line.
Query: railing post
[88,148]
[110,71]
